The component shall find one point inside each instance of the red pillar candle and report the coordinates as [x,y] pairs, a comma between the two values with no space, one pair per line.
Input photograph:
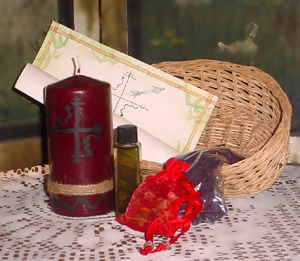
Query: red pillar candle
[79,120]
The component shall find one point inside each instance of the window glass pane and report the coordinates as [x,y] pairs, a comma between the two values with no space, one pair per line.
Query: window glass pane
[24,23]
[263,33]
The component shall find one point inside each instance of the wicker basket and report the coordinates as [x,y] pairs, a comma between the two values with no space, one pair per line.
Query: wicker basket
[252,118]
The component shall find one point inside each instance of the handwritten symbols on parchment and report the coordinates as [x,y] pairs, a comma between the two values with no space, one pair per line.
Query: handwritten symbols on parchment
[139,91]
[120,91]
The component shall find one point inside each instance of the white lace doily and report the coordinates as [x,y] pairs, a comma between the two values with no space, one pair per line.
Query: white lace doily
[265,226]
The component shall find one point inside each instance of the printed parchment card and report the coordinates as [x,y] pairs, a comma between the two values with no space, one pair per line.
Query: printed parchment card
[166,107]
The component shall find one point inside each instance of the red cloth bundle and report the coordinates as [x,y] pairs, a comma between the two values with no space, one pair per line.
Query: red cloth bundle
[155,205]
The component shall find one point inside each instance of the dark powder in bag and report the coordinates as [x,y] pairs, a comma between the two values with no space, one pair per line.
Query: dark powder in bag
[205,175]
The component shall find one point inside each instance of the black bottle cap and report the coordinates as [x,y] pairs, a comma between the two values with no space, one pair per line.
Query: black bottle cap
[127,134]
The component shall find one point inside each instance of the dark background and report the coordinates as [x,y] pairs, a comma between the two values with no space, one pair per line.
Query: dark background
[159,30]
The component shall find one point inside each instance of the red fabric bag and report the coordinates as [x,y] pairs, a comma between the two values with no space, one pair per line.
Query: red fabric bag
[155,205]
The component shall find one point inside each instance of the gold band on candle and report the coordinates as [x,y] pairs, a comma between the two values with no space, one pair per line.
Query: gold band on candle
[79,190]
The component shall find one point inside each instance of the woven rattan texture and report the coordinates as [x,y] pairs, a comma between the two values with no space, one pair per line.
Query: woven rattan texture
[252,117]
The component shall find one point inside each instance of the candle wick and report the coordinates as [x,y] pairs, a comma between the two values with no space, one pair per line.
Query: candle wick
[77,64]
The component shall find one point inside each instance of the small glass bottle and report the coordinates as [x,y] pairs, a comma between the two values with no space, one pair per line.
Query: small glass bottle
[127,165]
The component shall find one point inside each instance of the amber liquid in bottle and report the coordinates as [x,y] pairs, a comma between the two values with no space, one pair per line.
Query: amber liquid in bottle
[127,166]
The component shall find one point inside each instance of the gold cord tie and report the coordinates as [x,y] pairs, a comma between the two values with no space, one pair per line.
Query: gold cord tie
[76,190]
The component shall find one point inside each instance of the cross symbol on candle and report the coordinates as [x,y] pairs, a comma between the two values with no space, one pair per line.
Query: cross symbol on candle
[76,130]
